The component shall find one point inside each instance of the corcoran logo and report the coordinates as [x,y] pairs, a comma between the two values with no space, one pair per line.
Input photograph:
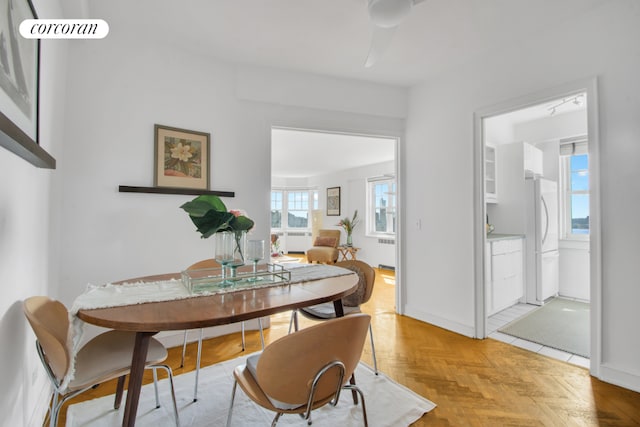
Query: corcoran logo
[64,29]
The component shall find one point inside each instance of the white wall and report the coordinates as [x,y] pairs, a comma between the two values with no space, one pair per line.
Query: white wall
[439,170]
[28,236]
[120,89]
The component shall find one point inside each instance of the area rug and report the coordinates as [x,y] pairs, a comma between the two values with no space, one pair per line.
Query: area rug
[561,324]
[388,404]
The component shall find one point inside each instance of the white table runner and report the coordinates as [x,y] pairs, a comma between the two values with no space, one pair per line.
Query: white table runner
[110,295]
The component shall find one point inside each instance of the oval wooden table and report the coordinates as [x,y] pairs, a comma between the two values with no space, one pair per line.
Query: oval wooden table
[212,310]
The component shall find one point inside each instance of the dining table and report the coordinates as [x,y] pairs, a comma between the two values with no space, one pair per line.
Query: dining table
[200,311]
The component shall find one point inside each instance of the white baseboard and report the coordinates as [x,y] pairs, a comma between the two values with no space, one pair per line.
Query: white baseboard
[450,325]
[175,338]
[620,378]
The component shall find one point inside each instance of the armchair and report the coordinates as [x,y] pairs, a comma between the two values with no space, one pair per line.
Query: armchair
[324,248]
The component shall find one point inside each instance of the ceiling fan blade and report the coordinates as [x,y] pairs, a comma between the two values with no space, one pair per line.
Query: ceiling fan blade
[380,41]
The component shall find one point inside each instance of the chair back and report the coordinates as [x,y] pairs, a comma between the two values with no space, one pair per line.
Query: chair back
[287,367]
[367,278]
[332,234]
[49,320]
[205,263]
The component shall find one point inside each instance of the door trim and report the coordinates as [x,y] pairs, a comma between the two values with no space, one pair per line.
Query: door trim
[590,86]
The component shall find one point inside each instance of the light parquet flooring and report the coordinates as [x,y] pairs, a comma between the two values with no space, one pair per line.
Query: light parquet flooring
[473,382]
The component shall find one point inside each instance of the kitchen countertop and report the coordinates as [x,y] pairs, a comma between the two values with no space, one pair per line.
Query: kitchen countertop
[497,236]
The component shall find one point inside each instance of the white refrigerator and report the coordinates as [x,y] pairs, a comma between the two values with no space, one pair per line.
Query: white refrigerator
[542,255]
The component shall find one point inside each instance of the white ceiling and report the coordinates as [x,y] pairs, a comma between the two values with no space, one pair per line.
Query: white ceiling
[301,154]
[332,36]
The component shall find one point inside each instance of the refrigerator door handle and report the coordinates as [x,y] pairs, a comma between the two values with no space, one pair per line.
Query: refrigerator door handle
[546,217]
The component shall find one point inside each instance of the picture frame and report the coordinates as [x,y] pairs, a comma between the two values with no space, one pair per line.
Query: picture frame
[19,87]
[181,158]
[333,201]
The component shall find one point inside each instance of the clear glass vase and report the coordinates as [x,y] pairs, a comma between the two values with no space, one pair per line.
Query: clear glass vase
[349,242]
[230,252]
[239,250]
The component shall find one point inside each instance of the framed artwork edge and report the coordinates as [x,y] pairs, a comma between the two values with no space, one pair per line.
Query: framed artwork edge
[12,137]
[333,201]
[178,169]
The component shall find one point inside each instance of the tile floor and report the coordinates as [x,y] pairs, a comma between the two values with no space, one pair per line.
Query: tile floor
[500,319]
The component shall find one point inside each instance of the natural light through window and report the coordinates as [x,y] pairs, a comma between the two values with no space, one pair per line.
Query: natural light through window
[580,194]
[575,200]
[381,212]
[296,211]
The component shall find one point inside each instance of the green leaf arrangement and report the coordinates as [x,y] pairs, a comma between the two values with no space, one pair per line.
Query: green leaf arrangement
[210,215]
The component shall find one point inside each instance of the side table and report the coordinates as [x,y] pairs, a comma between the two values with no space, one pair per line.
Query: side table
[347,252]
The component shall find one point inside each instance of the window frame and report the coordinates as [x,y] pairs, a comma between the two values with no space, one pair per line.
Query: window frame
[371,208]
[312,202]
[566,192]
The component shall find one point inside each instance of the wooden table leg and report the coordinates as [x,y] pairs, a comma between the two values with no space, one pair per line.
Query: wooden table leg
[135,377]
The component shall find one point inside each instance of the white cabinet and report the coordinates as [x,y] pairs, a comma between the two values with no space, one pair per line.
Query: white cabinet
[490,174]
[504,273]
[532,161]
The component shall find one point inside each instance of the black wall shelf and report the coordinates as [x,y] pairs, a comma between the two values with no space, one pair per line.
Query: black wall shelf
[167,190]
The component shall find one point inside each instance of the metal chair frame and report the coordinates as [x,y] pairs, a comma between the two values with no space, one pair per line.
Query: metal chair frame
[55,406]
[306,415]
[199,354]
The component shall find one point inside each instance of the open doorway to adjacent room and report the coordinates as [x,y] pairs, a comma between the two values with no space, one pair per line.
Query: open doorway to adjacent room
[537,287]
[321,177]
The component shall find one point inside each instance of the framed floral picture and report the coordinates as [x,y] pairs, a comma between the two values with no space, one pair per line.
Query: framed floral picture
[181,158]
[333,201]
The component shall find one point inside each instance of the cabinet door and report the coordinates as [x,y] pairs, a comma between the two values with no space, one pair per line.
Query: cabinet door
[506,274]
[490,174]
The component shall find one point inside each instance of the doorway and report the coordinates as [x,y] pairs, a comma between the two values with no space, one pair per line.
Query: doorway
[560,126]
[357,173]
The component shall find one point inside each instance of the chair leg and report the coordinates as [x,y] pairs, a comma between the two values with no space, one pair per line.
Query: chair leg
[184,348]
[352,382]
[155,385]
[242,327]
[173,392]
[119,392]
[53,419]
[373,351]
[261,333]
[364,408]
[233,397]
[195,388]
[294,320]
[275,420]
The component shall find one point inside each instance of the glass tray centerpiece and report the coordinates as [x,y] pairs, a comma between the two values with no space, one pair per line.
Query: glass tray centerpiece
[213,281]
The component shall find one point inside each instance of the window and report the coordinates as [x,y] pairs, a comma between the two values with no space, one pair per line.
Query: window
[298,209]
[381,208]
[575,195]
[276,209]
[295,213]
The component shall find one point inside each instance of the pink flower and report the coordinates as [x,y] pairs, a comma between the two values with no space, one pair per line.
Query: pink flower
[235,213]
